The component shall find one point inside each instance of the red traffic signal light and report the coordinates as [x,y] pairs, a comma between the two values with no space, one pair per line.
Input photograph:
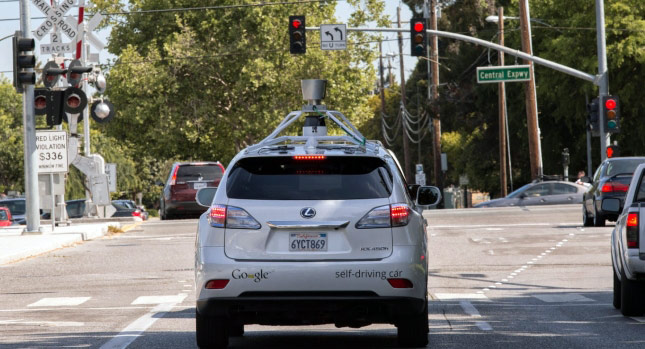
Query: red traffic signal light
[297,35]
[611,113]
[612,151]
[419,37]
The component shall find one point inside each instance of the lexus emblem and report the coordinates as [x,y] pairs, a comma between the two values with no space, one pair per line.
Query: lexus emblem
[308,212]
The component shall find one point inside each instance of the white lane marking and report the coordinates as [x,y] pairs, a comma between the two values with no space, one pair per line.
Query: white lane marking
[639,319]
[472,311]
[43,323]
[459,296]
[494,229]
[159,299]
[466,226]
[140,325]
[59,301]
[562,298]
[188,285]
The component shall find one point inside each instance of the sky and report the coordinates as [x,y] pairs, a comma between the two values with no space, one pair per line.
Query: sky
[10,11]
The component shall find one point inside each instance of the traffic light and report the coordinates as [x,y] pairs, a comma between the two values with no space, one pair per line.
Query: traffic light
[75,72]
[612,151]
[419,37]
[51,74]
[23,61]
[297,35]
[593,112]
[611,111]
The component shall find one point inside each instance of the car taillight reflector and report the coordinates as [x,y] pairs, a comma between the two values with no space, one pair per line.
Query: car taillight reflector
[217,216]
[309,157]
[217,284]
[632,230]
[136,213]
[611,187]
[400,283]
[399,214]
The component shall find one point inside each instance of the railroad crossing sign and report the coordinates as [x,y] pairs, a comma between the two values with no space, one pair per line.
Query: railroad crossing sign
[333,36]
[55,17]
[503,73]
[91,25]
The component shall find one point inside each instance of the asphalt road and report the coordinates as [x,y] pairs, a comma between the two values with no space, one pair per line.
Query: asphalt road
[513,277]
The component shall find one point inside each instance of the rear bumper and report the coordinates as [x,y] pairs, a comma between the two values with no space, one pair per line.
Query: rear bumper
[184,207]
[635,264]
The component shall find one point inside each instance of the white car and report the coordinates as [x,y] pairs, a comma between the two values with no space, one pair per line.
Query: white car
[628,246]
[312,229]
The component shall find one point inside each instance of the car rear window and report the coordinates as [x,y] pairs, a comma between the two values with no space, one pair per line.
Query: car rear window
[190,173]
[626,166]
[333,178]
[16,207]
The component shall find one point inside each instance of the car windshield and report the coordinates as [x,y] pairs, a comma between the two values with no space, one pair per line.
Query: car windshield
[623,166]
[333,178]
[198,173]
[16,207]
[518,191]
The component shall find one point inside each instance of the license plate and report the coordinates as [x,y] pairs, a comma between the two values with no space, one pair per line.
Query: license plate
[307,242]
[199,185]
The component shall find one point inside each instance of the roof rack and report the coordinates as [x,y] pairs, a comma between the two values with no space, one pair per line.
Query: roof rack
[352,137]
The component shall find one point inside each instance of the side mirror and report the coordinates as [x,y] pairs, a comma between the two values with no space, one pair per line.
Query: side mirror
[205,196]
[413,190]
[611,205]
[428,196]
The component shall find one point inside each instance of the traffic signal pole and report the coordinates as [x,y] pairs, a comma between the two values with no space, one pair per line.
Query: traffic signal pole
[603,85]
[404,136]
[32,212]
[436,120]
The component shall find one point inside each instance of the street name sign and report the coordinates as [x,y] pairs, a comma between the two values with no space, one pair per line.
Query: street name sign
[333,36]
[51,151]
[507,73]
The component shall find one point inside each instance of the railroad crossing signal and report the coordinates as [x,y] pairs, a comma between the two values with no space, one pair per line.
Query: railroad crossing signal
[75,72]
[419,37]
[52,73]
[23,60]
[611,111]
[297,35]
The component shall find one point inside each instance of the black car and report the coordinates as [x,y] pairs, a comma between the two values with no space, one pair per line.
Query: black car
[611,180]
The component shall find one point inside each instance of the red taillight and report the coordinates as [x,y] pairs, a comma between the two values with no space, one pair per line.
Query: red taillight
[218,216]
[136,213]
[611,187]
[632,230]
[399,214]
[309,157]
[173,179]
[400,283]
[217,284]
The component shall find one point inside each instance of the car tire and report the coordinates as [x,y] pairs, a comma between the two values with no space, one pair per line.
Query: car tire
[616,299]
[598,218]
[631,293]
[211,331]
[412,331]
[586,220]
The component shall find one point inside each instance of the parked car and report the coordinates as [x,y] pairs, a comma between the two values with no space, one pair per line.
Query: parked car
[611,180]
[184,179]
[5,217]
[540,193]
[131,204]
[628,246]
[76,209]
[17,207]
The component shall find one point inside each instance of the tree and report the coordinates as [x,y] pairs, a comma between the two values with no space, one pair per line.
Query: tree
[11,146]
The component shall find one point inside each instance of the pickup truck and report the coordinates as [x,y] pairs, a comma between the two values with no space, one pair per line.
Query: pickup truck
[628,246]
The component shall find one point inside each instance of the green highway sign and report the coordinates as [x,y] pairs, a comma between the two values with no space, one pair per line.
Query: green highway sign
[503,73]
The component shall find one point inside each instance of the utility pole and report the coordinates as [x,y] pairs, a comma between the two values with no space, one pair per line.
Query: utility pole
[535,152]
[381,68]
[502,111]
[404,136]
[29,139]
[436,120]
[603,86]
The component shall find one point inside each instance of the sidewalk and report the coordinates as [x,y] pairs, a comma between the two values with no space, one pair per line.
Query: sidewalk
[14,246]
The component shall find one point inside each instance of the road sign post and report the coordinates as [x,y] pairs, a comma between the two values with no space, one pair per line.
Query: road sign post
[495,74]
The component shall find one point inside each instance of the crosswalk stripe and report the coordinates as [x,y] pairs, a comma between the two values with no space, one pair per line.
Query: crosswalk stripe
[158,299]
[59,301]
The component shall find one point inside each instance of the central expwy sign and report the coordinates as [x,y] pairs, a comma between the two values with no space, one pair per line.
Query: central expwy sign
[503,73]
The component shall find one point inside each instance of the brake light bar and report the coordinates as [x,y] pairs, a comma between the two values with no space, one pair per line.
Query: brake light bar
[309,157]
[612,187]
[632,230]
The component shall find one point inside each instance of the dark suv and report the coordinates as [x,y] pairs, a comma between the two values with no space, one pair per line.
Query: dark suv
[184,179]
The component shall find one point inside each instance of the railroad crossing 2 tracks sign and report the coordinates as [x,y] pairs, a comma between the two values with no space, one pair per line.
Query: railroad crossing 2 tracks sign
[51,151]
[333,36]
[506,73]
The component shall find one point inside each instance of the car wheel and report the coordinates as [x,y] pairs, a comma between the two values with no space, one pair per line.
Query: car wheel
[211,331]
[413,331]
[586,220]
[236,329]
[630,296]
[598,219]
[616,300]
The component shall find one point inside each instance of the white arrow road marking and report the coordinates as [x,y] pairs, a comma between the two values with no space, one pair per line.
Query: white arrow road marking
[59,301]
[140,325]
